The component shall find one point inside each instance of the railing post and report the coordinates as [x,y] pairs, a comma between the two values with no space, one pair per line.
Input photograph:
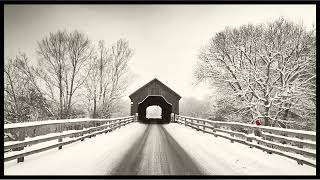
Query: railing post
[204,128]
[232,135]
[198,125]
[185,121]
[60,140]
[249,139]
[136,117]
[21,136]
[214,129]
[172,117]
[192,125]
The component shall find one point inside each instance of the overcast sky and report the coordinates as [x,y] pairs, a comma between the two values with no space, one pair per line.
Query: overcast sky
[165,38]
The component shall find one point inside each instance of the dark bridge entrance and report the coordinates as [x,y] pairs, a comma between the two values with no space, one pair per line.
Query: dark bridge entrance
[154,93]
[166,109]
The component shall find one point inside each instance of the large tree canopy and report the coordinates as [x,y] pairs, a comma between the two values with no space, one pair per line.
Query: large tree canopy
[269,67]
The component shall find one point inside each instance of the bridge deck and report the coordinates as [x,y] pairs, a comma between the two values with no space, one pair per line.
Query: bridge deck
[156,149]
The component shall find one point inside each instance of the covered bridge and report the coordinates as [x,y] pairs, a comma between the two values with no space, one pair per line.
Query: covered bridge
[155,93]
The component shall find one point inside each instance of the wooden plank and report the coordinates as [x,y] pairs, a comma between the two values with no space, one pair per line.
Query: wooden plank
[310,144]
[288,148]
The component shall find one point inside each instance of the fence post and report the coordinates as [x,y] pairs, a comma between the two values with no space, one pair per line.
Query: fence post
[60,140]
[172,117]
[198,125]
[185,121]
[204,128]
[21,136]
[232,135]
[136,117]
[249,139]
[214,127]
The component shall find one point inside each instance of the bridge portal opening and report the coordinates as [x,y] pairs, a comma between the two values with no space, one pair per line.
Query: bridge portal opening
[153,112]
[151,101]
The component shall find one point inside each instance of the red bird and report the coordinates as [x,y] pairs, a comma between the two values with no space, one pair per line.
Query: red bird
[258,122]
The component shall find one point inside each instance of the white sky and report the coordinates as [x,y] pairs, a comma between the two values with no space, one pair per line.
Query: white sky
[165,38]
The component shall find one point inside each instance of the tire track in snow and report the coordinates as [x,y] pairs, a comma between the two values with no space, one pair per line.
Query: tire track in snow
[156,153]
[131,156]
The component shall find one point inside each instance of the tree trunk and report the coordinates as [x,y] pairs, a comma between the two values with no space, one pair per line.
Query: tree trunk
[94,115]
[71,89]
[266,115]
[60,89]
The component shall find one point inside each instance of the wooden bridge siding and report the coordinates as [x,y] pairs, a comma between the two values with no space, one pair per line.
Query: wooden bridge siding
[154,89]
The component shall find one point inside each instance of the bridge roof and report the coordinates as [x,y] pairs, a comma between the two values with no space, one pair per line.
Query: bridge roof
[154,80]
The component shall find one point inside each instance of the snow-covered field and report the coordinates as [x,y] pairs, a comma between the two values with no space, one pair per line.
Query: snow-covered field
[221,157]
[101,154]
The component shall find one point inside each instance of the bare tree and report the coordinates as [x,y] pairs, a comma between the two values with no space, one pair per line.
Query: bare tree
[109,78]
[63,58]
[80,52]
[23,99]
[119,55]
[269,67]
[97,80]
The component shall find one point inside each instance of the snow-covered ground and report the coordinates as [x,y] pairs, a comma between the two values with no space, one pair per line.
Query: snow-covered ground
[93,156]
[219,156]
[101,154]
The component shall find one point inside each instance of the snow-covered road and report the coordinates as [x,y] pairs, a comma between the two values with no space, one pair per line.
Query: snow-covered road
[156,153]
[156,150]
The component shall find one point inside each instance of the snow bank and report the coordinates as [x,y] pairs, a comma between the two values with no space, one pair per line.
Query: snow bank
[218,156]
[93,156]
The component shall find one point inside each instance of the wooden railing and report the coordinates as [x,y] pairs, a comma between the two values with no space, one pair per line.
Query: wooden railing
[44,131]
[295,144]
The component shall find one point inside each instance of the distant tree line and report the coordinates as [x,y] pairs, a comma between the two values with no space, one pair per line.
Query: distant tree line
[74,78]
[265,71]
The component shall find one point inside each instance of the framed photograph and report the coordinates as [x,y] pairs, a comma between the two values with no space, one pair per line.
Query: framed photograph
[159,90]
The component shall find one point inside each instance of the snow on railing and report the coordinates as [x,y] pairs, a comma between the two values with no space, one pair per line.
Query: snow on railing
[295,144]
[39,136]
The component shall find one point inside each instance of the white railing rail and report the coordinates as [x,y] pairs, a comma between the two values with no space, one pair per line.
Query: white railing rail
[295,144]
[76,129]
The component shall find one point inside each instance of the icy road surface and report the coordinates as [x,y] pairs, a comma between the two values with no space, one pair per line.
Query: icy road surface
[171,149]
